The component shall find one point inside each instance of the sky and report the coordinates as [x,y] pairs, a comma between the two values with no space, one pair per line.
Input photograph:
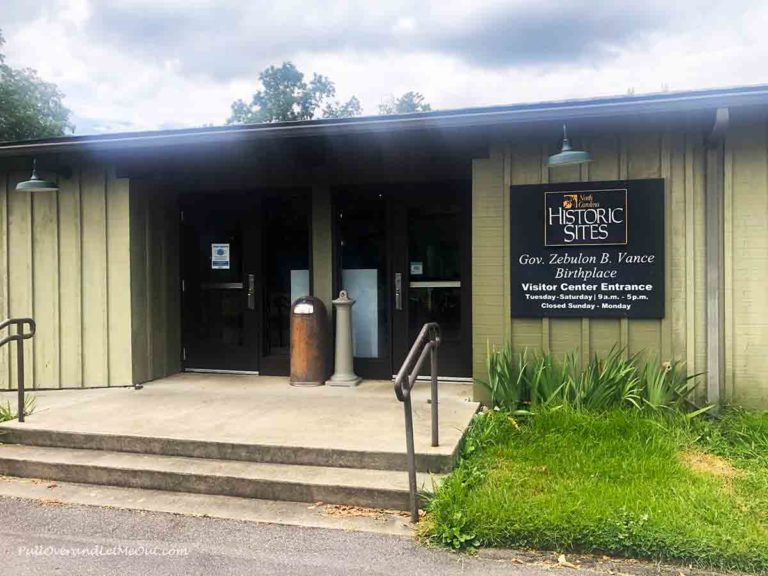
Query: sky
[155,64]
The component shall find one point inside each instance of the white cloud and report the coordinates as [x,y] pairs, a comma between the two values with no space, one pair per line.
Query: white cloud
[146,75]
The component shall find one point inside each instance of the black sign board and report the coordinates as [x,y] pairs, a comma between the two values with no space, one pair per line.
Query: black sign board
[588,249]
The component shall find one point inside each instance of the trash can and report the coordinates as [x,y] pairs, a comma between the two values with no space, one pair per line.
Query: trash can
[310,342]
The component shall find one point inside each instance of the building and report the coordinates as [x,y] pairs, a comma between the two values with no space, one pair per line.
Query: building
[183,249]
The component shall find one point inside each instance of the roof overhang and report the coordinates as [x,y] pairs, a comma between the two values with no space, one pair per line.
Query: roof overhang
[497,116]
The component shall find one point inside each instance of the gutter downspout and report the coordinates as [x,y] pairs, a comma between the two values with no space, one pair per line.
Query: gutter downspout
[714,185]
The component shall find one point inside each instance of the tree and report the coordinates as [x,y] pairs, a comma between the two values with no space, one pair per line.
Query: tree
[351,107]
[408,102]
[29,107]
[286,96]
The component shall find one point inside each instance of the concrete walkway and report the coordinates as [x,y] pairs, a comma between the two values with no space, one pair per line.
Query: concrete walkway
[38,539]
[261,410]
[180,545]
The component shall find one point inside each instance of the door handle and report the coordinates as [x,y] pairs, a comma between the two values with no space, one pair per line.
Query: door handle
[251,291]
[398,291]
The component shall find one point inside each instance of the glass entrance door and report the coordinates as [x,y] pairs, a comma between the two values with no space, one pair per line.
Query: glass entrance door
[245,259]
[403,254]
[219,282]
[362,268]
[431,263]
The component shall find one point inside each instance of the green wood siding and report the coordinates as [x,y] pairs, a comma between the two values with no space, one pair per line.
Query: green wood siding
[746,258]
[63,261]
[155,281]
[676,157]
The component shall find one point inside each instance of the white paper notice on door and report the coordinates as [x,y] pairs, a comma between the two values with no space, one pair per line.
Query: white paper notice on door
[220,256]
[299,284]
[362,285]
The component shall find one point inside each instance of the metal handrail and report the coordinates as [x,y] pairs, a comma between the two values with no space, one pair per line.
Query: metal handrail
[19,338]
[426,343]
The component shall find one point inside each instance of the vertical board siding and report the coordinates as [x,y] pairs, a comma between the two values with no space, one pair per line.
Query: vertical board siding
[700,259]
[63,261]
[746,258]
[5,365]
[95,310]
[70,283]
[155,287]
[155,281]
[139,296]
[728,391]
[676,253]
[118,281]
[20,287]
[488,291]
[671,155]
[45,295]
[525,168]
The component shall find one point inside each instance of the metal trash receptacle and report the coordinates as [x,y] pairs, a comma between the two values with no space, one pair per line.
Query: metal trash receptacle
[310,342]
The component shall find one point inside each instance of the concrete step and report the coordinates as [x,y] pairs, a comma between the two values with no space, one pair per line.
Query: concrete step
[285,482]
[27,434]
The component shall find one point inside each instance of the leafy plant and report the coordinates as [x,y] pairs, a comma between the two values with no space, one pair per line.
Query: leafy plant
[8,413]
[665,386]
[603,384]
[527,381]
[505,377]
[544,380]
[456,534]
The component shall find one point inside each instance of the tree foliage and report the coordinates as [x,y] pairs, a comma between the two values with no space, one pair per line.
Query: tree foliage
[29,107]
[286,96]
[351,107]
[407,103]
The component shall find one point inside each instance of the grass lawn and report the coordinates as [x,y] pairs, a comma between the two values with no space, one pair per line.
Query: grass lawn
[625,483]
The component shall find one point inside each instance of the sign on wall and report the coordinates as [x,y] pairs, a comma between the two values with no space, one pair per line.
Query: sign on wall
[588,249]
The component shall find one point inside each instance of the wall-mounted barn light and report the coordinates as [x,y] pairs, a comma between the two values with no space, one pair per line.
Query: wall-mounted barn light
[35,184]
[567,155]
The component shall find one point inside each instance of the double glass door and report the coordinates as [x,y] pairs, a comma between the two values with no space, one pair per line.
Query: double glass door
[403,254]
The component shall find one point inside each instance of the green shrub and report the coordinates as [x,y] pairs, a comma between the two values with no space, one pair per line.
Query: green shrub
[526,381]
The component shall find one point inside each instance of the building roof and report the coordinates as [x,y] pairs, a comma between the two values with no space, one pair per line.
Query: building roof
[549,111]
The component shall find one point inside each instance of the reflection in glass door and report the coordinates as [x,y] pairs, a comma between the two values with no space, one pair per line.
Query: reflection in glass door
[285,250]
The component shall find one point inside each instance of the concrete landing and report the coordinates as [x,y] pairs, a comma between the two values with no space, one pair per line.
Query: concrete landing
[241,437]
[236,411]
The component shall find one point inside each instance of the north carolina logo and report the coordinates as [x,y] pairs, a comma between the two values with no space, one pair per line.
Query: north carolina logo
[570,201]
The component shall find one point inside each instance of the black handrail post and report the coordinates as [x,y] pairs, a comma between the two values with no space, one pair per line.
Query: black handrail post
[20,368]
[414,500]
[427,341]
[19,338]
[433,371]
